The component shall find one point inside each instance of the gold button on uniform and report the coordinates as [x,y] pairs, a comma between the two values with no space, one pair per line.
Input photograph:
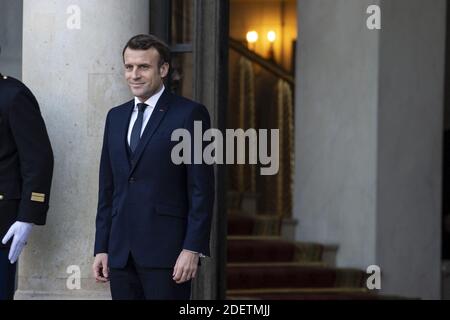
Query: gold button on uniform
[1,197]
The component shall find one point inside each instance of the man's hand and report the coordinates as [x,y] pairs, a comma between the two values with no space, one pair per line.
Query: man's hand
[20,231]
[100,267]
[186,266]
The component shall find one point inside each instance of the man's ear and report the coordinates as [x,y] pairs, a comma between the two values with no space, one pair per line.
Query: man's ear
[164,70]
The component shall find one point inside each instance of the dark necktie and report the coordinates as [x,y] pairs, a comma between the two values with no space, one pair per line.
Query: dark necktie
[137,127]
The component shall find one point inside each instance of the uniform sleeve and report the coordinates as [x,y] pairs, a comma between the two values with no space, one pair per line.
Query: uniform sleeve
[35,156]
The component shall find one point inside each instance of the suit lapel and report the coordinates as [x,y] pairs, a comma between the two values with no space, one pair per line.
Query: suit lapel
[155,119]
[123,129]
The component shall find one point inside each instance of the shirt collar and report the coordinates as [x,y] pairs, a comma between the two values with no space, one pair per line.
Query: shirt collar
[152,101]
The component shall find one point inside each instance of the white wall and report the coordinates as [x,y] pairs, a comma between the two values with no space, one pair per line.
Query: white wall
[336,122]
[410,129]
[369,123]
[11,38]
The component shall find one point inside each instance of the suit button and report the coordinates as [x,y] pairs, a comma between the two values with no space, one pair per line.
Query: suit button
[1,197]
[132,180]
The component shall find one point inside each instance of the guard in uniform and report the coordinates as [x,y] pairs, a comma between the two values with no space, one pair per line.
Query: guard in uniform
[26,168]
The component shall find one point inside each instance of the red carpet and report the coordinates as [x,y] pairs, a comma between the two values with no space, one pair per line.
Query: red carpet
[262,267]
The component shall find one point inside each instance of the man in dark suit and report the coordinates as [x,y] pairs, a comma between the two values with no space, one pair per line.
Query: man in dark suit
[26,168]
[154,217]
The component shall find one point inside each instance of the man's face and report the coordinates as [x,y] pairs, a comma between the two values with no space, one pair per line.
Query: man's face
[142,72]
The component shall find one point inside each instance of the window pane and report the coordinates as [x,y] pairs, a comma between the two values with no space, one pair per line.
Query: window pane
[181,80]
[181,17]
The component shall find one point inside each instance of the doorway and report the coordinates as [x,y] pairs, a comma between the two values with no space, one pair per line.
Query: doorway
[261,82]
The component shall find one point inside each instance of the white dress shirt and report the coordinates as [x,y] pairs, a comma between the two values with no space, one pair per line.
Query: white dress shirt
[151,102]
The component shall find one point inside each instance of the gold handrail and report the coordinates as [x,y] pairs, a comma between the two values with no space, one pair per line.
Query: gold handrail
[256,58]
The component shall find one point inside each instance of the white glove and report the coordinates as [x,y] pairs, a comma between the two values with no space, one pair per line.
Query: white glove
[20,231]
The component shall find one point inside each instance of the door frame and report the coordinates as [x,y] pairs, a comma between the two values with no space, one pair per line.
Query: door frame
[210,87]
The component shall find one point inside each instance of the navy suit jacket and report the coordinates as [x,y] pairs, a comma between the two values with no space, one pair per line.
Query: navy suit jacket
[148,206]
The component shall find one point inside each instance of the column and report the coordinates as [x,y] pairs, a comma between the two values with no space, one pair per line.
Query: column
[72,61]
[11,38]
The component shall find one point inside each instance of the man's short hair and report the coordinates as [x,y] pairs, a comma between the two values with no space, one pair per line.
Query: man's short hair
[147,41]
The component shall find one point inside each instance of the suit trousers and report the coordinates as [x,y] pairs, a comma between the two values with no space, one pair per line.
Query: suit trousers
[7,276]
[139,283]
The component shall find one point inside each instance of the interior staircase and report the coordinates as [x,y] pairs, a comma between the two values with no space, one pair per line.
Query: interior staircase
[263,262]
[263,265]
